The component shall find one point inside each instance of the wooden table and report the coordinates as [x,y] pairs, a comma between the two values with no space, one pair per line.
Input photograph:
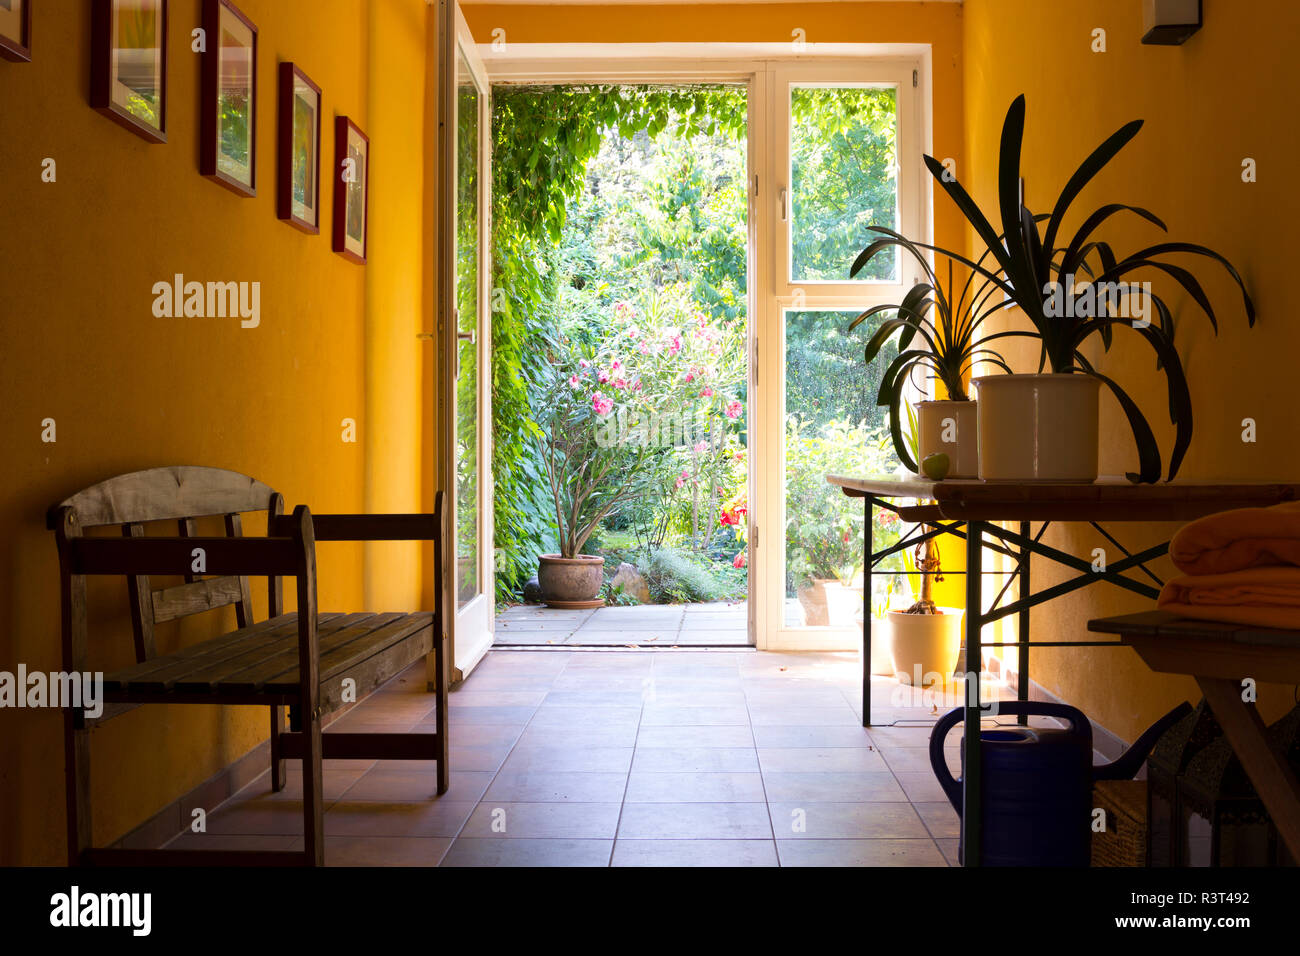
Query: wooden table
[1220,656]
[968,509]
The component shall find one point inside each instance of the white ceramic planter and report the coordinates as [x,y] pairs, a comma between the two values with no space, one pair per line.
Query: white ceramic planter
[843,604]
[925,645]
[882,657]
[1038,427]
[953,429]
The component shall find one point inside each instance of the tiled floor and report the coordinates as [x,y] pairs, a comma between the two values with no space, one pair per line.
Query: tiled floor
[629,758]
[718,624]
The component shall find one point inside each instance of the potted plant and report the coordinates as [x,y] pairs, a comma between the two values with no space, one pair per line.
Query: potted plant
[937,333]
[591,466]
[1044,426]
[925,639]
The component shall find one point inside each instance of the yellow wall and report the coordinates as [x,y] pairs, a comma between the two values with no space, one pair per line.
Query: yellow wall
[130,391]
[1207,105]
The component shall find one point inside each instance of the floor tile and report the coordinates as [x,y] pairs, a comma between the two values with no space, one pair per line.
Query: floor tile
[812,821]
[407,786]
[689,853]
[676,715]
[829,787]
[859,853]
[811,759]
[921,787]
[695,760]
[384,851]
[715,787]
[940,819]
[694,821]
[559,757]
[814,737]
[436,818]
[722,736]
[554,786]
[552,821]
[519,852]
[798,716]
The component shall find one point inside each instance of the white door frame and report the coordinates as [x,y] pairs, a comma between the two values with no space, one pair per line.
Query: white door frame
[762,66]
[471,627]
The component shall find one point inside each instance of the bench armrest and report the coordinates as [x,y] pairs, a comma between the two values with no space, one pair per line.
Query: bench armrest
[400,527]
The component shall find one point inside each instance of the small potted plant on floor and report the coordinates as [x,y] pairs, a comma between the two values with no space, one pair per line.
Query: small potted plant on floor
[937,336]
[925,639]
[1044,426]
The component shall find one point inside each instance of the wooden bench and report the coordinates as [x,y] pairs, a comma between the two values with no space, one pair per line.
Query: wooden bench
[302,661]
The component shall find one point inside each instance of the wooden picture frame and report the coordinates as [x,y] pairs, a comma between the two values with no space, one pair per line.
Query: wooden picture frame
[351,190]
[16,30]
[298,162]
[128,65]
[227,133]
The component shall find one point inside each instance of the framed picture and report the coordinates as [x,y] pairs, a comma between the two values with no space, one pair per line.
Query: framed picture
[128,64]
[228,121]
[351,190]
[16,30]
[298,202]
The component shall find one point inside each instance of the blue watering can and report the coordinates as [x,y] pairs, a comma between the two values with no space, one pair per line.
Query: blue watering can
[1036,782]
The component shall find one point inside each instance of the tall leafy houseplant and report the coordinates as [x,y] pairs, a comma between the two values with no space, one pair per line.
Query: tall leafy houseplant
[936,333]
[1038,270]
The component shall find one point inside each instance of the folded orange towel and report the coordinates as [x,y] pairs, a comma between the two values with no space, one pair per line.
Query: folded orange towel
[1256,597]
[1234,540]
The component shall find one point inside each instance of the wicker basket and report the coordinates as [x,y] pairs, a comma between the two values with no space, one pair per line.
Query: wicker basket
[1124,843]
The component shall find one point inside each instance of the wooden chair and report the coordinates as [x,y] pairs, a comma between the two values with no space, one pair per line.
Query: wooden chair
[301,660]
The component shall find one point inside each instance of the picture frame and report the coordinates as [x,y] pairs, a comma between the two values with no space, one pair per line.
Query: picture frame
[16,30]
[298,163]
[128,64]
[351,190]
[228,113]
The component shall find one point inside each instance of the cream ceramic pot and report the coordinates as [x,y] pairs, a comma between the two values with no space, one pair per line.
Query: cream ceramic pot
[925,645]
[1037,427]
[953,429]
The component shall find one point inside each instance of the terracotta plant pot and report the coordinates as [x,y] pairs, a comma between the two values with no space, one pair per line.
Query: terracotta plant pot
[812,598]
[571,582]
[925,645]
[1038,427]
[953,429]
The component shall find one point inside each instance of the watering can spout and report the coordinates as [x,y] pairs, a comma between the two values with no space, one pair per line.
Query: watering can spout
[1126,766]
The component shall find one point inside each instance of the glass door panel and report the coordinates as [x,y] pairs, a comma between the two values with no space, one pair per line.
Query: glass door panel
[468,538]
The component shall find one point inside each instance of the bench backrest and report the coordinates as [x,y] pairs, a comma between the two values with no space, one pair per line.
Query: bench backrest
[182,494]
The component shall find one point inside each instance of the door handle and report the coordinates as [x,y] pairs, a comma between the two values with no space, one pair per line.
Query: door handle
[785,205]
[470,337]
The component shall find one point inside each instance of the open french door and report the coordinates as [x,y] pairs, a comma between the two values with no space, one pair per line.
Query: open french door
[464,336]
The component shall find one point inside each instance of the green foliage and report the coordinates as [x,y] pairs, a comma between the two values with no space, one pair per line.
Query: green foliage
[675,577]
[543,140]
[1031,268]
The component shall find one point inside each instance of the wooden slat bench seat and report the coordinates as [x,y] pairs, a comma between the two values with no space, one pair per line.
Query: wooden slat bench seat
[309,663]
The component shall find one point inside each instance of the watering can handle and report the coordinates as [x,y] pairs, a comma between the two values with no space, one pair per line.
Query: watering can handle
[951,785]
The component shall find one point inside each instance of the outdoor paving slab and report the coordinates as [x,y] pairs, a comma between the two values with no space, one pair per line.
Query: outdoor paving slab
[940,819]
[721,736]
[557,786]
[673,715]
[689,853]
[560,757]
[816,759]
[817,737]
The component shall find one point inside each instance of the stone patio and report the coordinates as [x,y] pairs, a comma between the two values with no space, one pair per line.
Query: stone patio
[718,624]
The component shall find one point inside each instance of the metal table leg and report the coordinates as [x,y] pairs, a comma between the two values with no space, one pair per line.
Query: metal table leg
[867,556]
[971,808]
[1022,627]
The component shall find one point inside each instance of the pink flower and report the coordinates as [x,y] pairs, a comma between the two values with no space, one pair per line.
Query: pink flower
[603,377]
[674,345]
[707,393]
[634,333]
[739,561]
[624,310]
[740,456]
[620,383]
[701,447]
[690,377]
[733,409]
[637,386]
[583,363]
[615,365]
[645,348]
[681,479]
[601,405]
[573,380]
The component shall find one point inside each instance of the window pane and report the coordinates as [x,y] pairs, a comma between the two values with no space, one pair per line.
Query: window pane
[843,176]
[833,427]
